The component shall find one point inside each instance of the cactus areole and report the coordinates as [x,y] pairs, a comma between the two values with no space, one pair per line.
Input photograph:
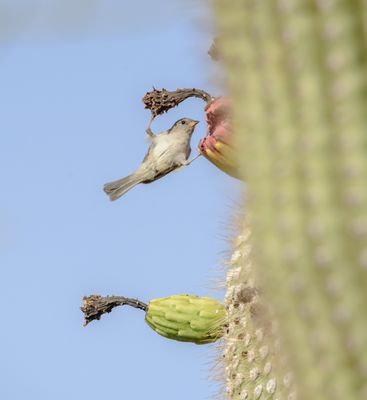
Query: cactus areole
[187,318]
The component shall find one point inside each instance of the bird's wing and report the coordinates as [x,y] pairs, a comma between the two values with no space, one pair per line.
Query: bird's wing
[161,174]
[157,174]
[149,152]
[188,151]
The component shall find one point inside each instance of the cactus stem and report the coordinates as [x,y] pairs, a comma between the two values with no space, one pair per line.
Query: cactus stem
[95,306]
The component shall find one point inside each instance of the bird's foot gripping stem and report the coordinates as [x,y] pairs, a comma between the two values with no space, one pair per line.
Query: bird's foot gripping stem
[149,130]
[188,162]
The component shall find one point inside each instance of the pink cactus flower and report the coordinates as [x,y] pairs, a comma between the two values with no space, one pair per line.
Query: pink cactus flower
[216,145]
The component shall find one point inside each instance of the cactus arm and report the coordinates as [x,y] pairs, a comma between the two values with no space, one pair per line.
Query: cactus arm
[297,77]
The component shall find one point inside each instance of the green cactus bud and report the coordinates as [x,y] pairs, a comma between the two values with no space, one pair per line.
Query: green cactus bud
[187,318]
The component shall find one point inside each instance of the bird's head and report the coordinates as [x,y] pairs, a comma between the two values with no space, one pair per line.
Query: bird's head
[184,125]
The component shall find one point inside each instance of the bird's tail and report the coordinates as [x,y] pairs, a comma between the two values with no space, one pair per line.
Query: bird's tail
[118,188]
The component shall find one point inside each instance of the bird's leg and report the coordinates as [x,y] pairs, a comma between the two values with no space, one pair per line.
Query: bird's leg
[189,162]
[148,130]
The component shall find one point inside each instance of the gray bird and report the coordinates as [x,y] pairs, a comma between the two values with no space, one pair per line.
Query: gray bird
[168,151]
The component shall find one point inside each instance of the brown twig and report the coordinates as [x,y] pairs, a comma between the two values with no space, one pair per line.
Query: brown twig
[95,306]
[160,101]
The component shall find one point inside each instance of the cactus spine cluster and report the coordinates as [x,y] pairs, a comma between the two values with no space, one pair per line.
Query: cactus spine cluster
[251,348]
[297,72]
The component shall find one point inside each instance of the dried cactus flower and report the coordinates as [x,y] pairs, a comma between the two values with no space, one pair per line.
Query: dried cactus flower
[187,318]
[217,144]
[160,101]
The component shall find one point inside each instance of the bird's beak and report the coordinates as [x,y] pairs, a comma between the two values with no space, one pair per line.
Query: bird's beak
[194,123]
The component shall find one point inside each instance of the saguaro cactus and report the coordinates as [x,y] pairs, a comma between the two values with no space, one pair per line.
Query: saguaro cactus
[297,76]
[254,366]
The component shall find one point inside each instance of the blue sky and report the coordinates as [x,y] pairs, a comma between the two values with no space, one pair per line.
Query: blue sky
[71,120]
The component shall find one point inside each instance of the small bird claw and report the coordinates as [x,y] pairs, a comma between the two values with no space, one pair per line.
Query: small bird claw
[149,130]
[188,162]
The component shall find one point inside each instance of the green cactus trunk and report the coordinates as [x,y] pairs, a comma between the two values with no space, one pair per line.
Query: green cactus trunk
[297,73]
[252,356]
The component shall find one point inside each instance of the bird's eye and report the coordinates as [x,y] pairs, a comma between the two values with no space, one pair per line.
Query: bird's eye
[183,122]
